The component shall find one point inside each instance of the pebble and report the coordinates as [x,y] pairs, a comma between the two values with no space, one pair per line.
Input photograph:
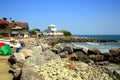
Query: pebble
[57,70]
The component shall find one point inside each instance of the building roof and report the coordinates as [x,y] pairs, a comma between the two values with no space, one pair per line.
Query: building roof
[3,21]
[47,30]
[19,24]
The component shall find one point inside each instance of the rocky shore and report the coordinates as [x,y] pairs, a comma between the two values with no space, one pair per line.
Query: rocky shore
[38,60]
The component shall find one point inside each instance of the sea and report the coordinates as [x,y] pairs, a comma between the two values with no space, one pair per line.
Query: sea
[104,47]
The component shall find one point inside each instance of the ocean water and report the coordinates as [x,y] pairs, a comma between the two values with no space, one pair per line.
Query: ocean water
[104,47]
[111,37]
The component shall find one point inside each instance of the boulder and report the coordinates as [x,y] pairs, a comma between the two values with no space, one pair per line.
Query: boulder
[80,48]
[112,70]
[45,46]
[96,57]
[58,48]
[79,56]
[30,72]
[17,58]
[37,50]
[27,52]
[50,55]
[68,48]
[115,52]
[37,59]
[106,56]
[93,51]
[63,54]
[103,63]
[117,73]
[114,59]
[17,74]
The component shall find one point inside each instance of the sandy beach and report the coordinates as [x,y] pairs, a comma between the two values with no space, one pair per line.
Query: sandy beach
[4,68]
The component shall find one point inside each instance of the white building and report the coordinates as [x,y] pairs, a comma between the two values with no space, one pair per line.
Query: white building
[52,30]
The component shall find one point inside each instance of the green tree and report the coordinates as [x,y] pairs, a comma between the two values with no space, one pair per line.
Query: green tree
[4,18]
[65,32]
[34,31]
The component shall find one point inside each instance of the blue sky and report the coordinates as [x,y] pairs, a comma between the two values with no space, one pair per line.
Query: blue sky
[77,16]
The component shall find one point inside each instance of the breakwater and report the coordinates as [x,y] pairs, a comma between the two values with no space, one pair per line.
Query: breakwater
[54,40]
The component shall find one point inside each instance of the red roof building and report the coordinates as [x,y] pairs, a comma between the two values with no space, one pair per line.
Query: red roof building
[4,24]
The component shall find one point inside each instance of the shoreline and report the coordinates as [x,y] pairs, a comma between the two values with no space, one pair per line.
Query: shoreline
[38,55]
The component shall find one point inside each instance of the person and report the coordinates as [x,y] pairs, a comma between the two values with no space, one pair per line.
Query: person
[18,49]
[22,43]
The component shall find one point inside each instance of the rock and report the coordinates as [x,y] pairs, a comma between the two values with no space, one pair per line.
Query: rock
[71,70]
[30,72]
[37,49]
[17,58]
[93,51]
[50,55]
[113,70]
[68,48]
[115,52]
[117,73]
[12,60]
[103,63]
[45,46]
[27,52]
[17,74]
[58,48]
[37,59]
[96,57]
[80,56]
[114,59]
[80,48]
[58,70]
[85,50]
[106,56]
[63,54]
[11,70]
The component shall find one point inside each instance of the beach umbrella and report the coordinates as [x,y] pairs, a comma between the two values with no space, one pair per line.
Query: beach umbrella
[5,49]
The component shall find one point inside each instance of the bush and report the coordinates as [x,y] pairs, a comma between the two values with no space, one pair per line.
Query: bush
[66,33]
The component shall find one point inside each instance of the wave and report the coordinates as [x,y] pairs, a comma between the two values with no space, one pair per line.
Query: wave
[92,43]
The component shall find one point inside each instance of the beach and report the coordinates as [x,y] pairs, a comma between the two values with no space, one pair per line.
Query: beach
[4,68]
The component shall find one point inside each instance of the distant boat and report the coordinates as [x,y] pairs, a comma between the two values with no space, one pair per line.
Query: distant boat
[92,43]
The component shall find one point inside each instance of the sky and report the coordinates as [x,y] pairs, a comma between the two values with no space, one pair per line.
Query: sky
[80,17]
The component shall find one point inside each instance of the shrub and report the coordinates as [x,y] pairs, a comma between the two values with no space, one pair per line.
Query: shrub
[66,33]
